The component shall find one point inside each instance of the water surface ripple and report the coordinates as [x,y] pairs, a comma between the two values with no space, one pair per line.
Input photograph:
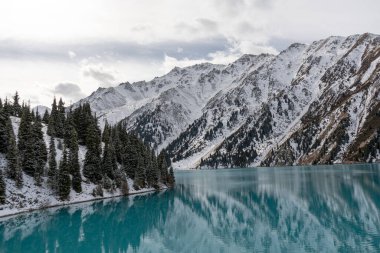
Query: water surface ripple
[293,209]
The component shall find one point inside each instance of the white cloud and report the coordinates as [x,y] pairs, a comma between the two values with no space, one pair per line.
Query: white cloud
[69,91]
[133,40]
[104,75]
[248,47]
[72,54]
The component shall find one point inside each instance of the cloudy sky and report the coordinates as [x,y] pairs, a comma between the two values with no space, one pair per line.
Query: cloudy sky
[71,47]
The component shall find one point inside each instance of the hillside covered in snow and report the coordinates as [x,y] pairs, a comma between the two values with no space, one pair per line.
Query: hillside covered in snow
[64,158]
[310,104]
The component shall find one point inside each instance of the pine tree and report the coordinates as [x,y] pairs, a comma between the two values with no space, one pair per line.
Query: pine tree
[79,122]
[64,181]
[68,131]
[117,145]
[13,169]
[32,116]
[108,163]
[91,169]
[39,149]
[28,157]
[106,133]
[3,131]
[45,118]
[74,162]
[171,179]
[163,168]
[131,157]
[75,167]
[24,129]
[53,119]
[60,120]
[2,189]
[139,181]
[115,166]
[148,168]
[52,170]
[83,118]
[17,111]
[92,162]
[1,104]
[8,109]
[152,171]
[26,143]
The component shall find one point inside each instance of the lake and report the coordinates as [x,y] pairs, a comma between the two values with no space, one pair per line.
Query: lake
[291,209]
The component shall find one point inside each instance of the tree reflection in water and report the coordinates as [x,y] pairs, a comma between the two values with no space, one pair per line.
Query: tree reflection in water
[300,209]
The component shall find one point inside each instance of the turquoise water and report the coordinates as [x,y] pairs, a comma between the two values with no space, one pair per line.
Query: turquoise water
[293,209]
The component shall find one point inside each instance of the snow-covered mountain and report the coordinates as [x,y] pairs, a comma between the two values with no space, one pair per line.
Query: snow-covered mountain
[163,108]
[315,103]
[41,109]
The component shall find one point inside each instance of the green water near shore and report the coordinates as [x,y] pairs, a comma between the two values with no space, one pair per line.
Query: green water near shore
[293,209]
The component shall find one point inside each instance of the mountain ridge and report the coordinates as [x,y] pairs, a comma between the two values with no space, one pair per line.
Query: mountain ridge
[253,111]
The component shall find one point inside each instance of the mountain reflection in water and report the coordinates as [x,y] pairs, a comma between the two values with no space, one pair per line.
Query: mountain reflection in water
[293,209]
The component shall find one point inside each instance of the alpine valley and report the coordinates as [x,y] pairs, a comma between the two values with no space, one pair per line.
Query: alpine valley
[310,104]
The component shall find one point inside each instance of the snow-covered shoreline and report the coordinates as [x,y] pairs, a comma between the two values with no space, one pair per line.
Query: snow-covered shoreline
[31,197]
[6,213]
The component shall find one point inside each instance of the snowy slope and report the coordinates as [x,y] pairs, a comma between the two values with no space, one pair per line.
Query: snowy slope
[159,110]
[32,197]
[249,124]
[260,110]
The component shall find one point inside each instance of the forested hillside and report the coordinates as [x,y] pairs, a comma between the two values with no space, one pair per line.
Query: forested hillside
[64,156]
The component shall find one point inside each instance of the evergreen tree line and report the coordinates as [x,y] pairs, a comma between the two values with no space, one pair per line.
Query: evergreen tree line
[29,152]
[112,156]
[137,160]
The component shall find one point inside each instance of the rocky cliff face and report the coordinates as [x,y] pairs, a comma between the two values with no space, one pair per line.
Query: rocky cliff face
[310,104]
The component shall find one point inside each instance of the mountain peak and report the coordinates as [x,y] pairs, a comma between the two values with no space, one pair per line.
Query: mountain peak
[256,107]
